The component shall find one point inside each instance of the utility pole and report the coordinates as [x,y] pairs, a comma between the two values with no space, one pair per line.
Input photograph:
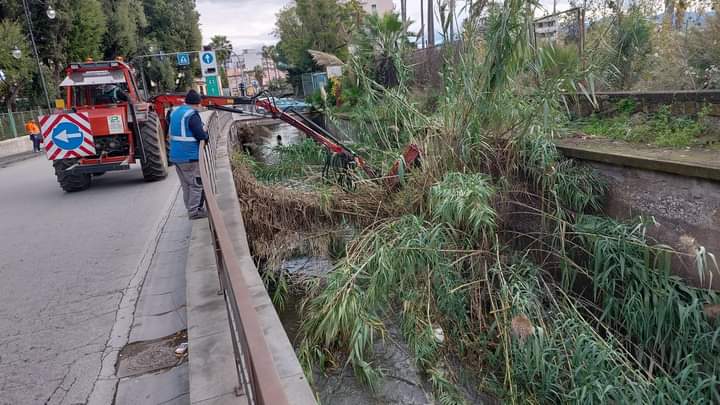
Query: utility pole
[26,8]
[452,20]
[431,23]
[422,24]
[403,12]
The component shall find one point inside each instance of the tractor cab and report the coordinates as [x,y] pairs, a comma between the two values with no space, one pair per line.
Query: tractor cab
[93,84]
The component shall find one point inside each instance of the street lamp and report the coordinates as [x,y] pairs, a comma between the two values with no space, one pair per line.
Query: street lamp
[51,15]
[16,53]
[51,12]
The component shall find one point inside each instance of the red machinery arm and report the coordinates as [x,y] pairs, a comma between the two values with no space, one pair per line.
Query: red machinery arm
[312,130]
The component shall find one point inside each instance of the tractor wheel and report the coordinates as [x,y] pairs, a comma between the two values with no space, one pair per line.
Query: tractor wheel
[155,164]
[68,181]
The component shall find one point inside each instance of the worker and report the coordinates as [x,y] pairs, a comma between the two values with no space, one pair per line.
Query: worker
[186,132]
[111,94]
[32,129]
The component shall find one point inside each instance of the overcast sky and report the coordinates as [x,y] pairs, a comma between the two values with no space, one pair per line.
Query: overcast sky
[248,24]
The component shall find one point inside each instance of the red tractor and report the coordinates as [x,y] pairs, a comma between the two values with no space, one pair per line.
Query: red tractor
[107,126]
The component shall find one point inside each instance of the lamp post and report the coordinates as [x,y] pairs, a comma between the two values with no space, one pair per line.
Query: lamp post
[51,14]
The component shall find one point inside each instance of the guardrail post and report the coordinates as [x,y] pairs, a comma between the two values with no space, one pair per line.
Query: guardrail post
[13,129]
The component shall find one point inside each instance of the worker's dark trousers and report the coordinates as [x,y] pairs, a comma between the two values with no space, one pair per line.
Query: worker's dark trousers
[36,142]
[189,175]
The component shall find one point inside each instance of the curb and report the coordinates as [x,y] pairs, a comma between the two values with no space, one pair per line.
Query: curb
[19,157]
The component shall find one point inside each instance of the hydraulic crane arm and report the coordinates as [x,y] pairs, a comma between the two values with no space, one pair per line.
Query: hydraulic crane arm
[294,118]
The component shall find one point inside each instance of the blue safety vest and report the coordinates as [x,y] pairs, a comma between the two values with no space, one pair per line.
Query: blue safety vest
[183,145]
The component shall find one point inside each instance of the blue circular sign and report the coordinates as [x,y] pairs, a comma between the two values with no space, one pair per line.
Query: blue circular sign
[67,135]
[207,58]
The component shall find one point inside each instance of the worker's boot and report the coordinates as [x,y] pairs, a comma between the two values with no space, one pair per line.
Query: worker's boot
[198,214]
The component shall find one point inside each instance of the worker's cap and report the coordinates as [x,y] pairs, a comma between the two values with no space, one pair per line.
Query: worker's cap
[192,97]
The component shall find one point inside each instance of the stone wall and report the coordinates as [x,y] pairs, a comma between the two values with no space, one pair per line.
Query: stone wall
[681,102]
[687,212]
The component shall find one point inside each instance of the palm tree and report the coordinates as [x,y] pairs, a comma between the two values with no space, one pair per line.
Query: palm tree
[259,74]
[222,47]
[380,43]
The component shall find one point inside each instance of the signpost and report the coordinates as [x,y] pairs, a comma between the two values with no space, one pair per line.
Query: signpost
[208,67]
[183,59]
[67,135]
[212,85]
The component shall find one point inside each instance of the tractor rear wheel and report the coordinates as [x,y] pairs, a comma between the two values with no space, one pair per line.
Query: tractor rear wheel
[155,164]
[70,181]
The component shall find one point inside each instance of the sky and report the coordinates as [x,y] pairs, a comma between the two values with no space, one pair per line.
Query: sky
[249,24]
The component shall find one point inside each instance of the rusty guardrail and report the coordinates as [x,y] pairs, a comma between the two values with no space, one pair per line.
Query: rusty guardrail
[258,379]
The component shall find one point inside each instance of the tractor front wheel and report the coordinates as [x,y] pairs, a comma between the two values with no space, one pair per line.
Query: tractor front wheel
[70,181]
[155,163]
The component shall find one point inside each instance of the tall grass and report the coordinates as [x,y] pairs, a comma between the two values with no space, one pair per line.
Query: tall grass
[434,259]
[636,292]
[397,264]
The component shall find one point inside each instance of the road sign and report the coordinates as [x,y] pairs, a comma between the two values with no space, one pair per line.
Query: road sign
[183,59]
[67,135]
[208,63]
[212,85]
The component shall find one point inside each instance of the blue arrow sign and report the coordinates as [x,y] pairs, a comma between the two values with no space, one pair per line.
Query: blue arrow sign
[207,58]
[183,59]
[67,135]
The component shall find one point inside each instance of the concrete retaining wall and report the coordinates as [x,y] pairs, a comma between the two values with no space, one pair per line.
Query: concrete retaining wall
[212,375]
[687,211]
[15,146]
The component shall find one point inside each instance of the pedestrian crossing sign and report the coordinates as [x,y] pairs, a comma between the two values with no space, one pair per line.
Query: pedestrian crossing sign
[183,59]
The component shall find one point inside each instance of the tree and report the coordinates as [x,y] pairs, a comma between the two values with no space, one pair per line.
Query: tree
[88,27]
[322,25]
[223,48]
[17,71]
[126,22]
[172,27]
[381,45]
[272,53]
[259,74]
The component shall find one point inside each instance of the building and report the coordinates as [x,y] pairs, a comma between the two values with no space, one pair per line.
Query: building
[547,28]
[240,68]
[377,6]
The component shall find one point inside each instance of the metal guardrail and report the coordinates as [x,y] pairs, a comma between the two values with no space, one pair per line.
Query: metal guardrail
[19,118]
[258,379]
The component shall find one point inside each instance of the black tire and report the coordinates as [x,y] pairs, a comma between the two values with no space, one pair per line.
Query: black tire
[70,181]
[155,163]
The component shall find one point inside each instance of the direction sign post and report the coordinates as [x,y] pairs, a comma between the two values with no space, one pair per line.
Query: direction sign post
[212,85]
[208,63]
[208,66]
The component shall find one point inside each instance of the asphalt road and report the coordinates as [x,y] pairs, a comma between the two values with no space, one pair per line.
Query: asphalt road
[66,260]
